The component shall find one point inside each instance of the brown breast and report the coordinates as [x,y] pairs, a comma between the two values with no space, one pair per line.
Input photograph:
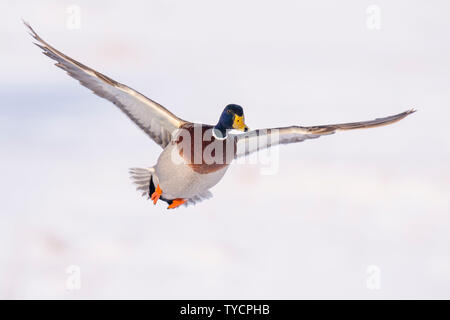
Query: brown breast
[202,151]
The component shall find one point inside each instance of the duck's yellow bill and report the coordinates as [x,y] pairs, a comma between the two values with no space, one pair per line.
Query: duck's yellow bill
[239,123]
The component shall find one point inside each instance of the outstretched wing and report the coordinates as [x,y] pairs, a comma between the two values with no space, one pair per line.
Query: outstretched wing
[255,140]
[151,117]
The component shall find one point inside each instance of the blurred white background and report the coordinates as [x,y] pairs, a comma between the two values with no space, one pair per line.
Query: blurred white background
[336,206]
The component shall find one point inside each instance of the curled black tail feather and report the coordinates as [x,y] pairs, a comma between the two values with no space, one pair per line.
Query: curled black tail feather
[152,189]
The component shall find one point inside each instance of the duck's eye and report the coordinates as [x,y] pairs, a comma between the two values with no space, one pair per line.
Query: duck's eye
[229,111]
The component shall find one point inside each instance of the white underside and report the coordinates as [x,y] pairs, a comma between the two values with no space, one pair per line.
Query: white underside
[175,178]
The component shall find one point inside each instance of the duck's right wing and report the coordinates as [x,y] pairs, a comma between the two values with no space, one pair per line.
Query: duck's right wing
[155,120]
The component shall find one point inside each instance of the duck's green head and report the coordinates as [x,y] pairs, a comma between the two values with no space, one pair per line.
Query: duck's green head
[232,118]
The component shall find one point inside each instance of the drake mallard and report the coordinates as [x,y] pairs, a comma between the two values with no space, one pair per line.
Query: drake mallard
[195,156]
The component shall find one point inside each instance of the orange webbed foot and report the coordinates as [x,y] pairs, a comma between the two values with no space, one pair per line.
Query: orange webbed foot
[176,203]
[155,195]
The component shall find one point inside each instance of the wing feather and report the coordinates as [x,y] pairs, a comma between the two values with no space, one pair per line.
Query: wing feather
[155,120]
[253,141]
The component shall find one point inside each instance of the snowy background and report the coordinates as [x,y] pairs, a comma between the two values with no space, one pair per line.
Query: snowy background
[335,206]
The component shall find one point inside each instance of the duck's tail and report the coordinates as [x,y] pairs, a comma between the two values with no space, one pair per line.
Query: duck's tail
[142,177]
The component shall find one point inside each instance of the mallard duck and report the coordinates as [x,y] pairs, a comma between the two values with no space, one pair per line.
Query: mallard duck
[195,156]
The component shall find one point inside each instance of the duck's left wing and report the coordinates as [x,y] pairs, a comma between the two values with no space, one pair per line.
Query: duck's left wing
[255,140]
[155,120]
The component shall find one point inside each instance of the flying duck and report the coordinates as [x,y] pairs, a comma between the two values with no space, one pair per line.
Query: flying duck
[195,156]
